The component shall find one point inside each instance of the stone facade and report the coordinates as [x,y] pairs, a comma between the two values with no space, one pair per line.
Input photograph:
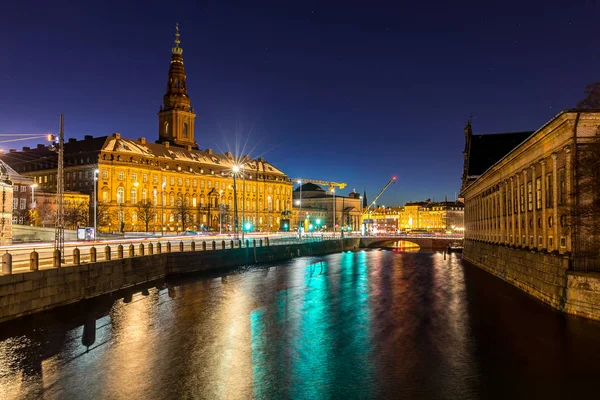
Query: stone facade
[6,203]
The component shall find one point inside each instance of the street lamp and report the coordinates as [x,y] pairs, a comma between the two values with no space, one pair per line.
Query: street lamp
[333,192]
[32,194]
[220,212]
[300,204]
[235,170]
[162,217]
[96,171]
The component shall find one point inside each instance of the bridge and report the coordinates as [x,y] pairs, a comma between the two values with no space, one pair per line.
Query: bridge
[425,242]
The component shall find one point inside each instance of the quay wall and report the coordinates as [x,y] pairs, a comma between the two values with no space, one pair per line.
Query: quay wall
[31,292]
[543,275]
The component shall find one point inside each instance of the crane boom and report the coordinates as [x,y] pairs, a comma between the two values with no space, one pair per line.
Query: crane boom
[329,184]
[393,180]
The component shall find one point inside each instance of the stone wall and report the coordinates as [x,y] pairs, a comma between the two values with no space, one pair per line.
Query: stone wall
[27,293]
[542,275]
[583,294]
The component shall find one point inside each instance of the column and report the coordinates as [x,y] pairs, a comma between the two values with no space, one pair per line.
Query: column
[569,193]
[555,222]
[512,213]
[544,221]
[534,206]
[519,239]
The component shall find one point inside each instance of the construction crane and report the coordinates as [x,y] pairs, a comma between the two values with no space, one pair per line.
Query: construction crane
[329,184]
[393,180]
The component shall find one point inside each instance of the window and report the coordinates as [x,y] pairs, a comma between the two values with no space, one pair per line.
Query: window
[195,183]
[185,130]
[120,195]
[202,184]
[210,184]
[549,191]
[15,203]
[121,175]
[179,181]
[133,195]
[154,198]
[194,202]
[172,181]
[529,196]
[144,195]
[515,201]
[133,217]
[503,203]
[269,203]
[105,196]
[104,174]
[561,187]
[23,188]
[510,203]
[134,177]
[538,193]
[166,128]
[23,204]
[171,200]
[154,178]
[145,177]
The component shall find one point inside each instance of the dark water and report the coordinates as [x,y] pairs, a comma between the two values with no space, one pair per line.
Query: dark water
[375,324]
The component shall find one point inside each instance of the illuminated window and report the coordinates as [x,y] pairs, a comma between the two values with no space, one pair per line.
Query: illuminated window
[538,193]
[121,175]
[185,130]
[105,174]
[134,177]
[529,196]
[120,195]
[166,129]
[133,195]
[145,178]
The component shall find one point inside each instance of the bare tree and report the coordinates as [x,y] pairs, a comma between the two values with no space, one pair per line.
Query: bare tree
[76,213]
[585,213]
[183,210]
[103,214]
[145,212]
[592,96]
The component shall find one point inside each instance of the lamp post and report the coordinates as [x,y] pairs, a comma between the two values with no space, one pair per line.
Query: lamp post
[300,204]
[333,192]
[162,217]
[235,170]
[32,211]
[243,202]
[96,171]
[220,213]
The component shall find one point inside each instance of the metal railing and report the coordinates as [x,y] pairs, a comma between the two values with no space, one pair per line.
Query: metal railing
[585,264]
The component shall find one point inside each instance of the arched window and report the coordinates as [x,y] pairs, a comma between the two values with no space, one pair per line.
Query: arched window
[171,200]
[144,195]
[185,129]
[154,199]
[277,205]
[187,201]
[269,203]
[166,129]
[120,195]
[133,195]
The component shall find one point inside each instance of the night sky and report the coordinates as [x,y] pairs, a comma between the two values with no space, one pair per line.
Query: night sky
[324,90]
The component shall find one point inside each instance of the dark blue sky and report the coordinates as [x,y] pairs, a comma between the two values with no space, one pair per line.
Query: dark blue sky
[326,90]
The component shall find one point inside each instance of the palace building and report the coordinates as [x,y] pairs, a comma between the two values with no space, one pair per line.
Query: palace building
[170,184]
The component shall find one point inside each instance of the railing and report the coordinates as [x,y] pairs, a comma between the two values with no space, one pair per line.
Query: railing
[585,264]
[47,258]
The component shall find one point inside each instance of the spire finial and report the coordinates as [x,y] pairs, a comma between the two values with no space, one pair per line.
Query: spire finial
[177,49]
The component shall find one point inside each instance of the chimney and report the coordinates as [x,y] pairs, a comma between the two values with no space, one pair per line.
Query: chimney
[88,137]
[117,135]
[209,151]
[72,140]
[12,150]
[25,148]
[40,147]
[166,144]
[142,140]
[228,154]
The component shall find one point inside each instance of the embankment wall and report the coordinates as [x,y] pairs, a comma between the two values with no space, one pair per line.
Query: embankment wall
[27,293]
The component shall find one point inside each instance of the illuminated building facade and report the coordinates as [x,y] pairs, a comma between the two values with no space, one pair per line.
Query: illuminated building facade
[425,215]
[171,181]
[528,198]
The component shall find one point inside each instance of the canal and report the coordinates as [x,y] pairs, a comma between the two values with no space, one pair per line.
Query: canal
[355,325]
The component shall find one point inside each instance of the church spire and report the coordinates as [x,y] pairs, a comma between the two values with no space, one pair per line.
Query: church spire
[176,115]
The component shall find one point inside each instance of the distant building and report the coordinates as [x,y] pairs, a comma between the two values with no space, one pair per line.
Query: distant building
[22,200]
[185,186]
[423,215]
[76,209]
[6,203]
[316,208]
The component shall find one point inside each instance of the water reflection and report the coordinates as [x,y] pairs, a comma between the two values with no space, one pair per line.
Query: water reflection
[368,324]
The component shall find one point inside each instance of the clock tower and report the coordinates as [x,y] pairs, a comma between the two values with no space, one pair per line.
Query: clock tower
[176,115]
